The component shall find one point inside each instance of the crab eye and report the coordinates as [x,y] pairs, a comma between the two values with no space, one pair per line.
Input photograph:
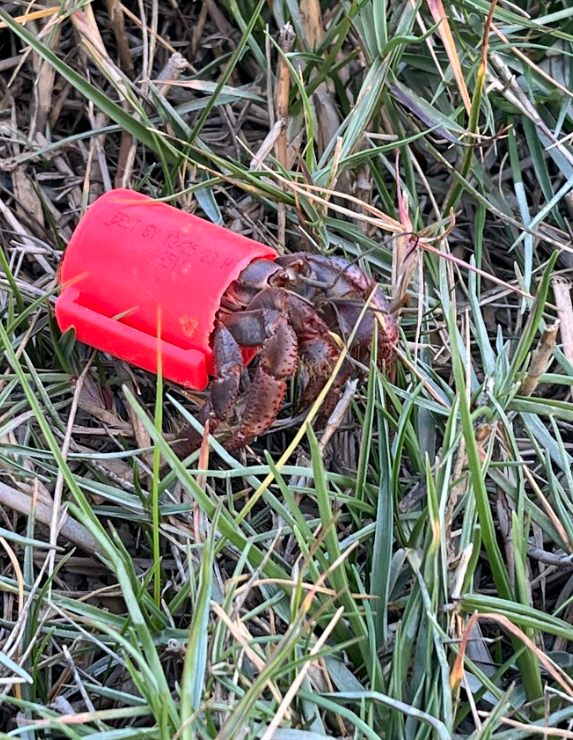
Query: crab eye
[282,277]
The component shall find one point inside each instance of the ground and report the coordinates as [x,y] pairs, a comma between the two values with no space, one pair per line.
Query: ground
[405,573]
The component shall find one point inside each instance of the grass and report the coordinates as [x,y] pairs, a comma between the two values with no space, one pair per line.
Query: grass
[405,573]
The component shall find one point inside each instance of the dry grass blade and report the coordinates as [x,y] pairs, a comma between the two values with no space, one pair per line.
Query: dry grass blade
[283,708]
[541,360]
[554,670]
[85,23]
[562,291]
[441,17]
[35,15]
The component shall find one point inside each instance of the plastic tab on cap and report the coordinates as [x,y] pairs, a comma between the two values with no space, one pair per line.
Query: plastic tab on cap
[132,260]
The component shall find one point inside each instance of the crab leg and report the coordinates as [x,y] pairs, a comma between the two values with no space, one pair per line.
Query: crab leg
[223,390]
[229,367]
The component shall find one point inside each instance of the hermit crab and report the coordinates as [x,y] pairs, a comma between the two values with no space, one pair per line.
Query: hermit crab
[294,312]
[142,280]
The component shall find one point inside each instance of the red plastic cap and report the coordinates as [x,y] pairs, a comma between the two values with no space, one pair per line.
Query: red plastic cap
[132,259]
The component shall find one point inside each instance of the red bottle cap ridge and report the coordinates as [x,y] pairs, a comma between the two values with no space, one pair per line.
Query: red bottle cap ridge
[132,259]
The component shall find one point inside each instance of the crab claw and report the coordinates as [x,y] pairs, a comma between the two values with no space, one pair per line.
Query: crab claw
[318,352]
[277,362]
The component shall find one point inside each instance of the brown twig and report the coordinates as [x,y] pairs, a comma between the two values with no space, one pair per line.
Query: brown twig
[117,21]
[286,43]
[70,530]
